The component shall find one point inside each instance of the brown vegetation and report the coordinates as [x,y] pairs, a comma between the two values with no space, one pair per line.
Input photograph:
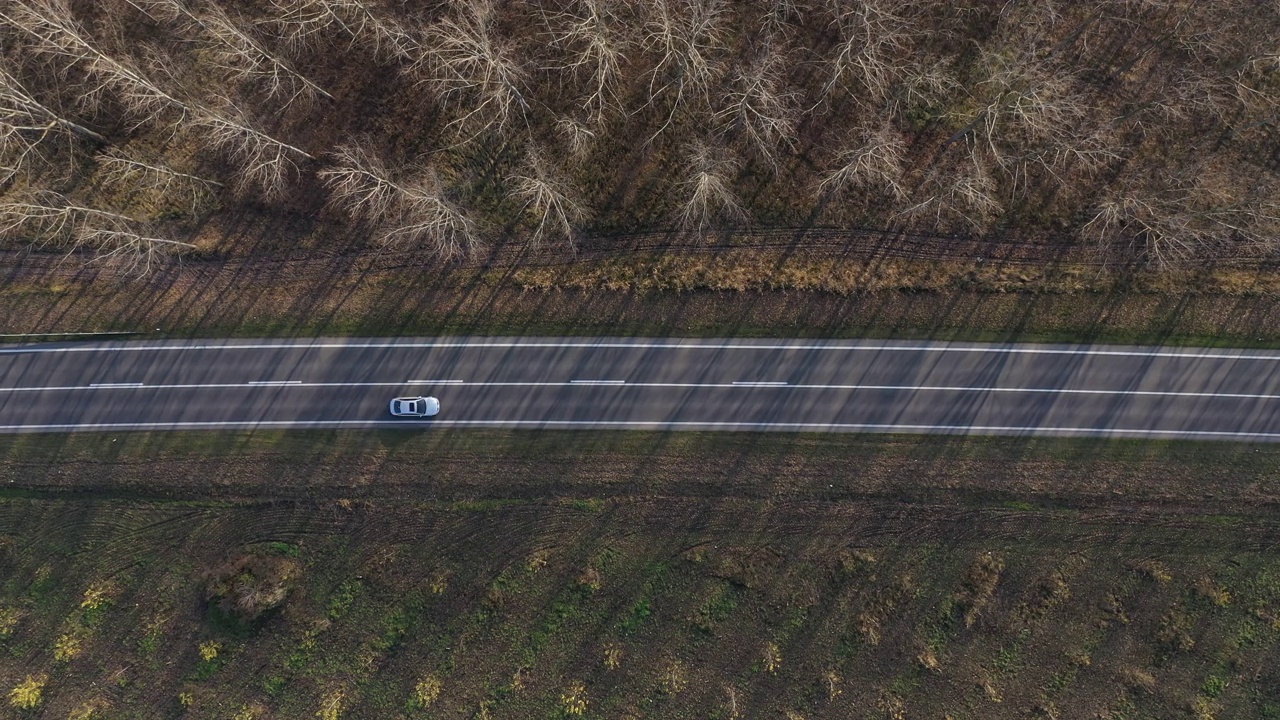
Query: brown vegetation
[1141,128]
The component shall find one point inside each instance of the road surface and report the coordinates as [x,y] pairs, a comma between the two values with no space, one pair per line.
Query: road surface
[789,385]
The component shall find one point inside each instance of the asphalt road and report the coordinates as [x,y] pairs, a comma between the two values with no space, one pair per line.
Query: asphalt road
[849,386]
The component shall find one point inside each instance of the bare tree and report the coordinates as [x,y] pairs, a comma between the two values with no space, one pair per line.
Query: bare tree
[960,193]
[466,62]
[191,192]
[923,85]
[307,23]
[686,36]
[548,198]
[1026,113]
[51,219]
[597,50]
[232,50]
[407,211]
[874,37]
[759,108]
[873,162]
[707,189]
[50,28]
[26,124]
[265,163]
[1166,220]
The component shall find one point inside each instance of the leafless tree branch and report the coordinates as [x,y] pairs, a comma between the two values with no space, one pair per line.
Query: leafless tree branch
[51,29]
[234,51]
[597,49]
[549,199]
[873,163]
[874,35]
[50,219]
[410,211]
[26,123]
[686,36]
[190,191]
[307,23]
[708,189]
[265,163]
[759,108]
[466,63]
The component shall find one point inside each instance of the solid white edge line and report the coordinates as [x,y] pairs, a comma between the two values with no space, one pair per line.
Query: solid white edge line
[434,382]
[761,383]
[658,424]
[617,383]
[112,385]
[993,349]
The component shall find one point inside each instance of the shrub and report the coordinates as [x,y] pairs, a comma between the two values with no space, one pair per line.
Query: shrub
[426,692]
[574,700]
[248,588]
[29,693]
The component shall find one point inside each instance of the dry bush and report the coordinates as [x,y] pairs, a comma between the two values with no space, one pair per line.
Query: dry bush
[1167,219]
[249,587]
[1026,111]
[409,208]
[958,193]
[707,189]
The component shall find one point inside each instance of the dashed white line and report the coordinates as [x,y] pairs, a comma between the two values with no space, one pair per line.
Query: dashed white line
[274,382]
[112,385]
[593,382]
[434,382]
[760,383]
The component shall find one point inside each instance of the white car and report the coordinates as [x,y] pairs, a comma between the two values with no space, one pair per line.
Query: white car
[415,407]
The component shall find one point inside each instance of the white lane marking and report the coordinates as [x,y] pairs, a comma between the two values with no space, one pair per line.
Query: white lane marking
[265,382]
[710,386]
[654,425]
[114,385]
[434,382]
[71,334]
[759,383]
[1149,352]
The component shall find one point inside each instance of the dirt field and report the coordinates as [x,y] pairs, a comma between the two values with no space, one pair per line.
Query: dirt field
[630,575]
